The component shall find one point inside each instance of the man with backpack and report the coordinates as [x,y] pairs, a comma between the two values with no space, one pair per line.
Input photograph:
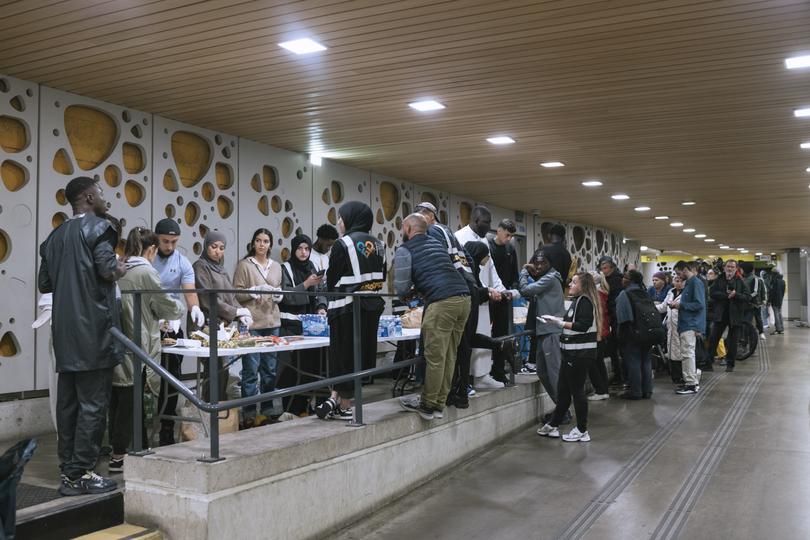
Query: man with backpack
[639,329]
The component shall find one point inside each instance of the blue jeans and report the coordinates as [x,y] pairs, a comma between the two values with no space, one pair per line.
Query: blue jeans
[639,368]
[254,367]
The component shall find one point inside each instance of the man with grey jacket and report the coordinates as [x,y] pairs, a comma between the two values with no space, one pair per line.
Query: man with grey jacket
[547,293]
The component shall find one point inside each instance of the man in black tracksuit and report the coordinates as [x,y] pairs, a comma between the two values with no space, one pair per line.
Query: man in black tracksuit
[504,257]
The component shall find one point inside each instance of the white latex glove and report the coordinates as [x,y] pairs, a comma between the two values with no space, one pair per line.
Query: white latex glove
[43,318]
[197,316]
[242,312]
[247,320]
[276,297]
[174,326]
[551,319]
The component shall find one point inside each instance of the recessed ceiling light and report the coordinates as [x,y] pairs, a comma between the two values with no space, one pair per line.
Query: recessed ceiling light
[709,240]
[801,113]
[701,235]
[426,105]
[619,197]
[643,248]
[741,249]
[316,158]
[689,230]
[758,253]
[552,164]
[796,62]
[676,224]
[724,247]
[641,208]
[501,139]
[688,203]
[592,183]
[773,253]
[805,145]
[661,217]
[302,46]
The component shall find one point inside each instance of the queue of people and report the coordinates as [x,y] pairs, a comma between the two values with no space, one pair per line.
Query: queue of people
[463,280]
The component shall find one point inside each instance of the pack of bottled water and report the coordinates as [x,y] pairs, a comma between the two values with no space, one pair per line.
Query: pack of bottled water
[315,325]
[390,326]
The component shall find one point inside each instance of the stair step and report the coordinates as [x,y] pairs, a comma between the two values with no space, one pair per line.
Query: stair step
[124,531]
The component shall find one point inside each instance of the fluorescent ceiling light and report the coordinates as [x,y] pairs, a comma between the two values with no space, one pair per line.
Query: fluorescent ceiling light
[724,247]
[701,235]
[426,105]
[592,183]
[689,230]
[501,139]
[801,113]
[661,217]
[643,248]
[302,46]
[758,253]
[552,164]
[688,203]
[796,62]
[741,249]
[709,240]
[676,224]
[641,208]
[619,197]
[804,145]
[773,253]
[316,158]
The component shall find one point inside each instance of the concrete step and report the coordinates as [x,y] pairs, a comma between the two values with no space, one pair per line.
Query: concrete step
[125,531]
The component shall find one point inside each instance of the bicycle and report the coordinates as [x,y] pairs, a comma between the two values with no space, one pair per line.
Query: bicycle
[747,341]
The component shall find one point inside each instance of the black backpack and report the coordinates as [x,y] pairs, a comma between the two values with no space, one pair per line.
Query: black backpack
[646,328]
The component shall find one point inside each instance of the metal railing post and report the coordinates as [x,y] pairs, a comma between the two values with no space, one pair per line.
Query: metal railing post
[137,382]
[510,329]
[213,377]
[357,420]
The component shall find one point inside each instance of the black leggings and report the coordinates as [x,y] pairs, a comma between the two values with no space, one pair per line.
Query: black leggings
[573,369]
[598,372]
[341,346]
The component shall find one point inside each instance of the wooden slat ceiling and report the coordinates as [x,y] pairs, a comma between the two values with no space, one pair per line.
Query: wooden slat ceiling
[663,100]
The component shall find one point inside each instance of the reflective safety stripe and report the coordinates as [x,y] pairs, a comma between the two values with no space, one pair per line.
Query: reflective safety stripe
[578,346]
[454,254]
[290,316]
[572,340]
[336,304]
[357,279]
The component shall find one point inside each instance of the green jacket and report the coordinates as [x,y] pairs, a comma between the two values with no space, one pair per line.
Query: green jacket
[141,275]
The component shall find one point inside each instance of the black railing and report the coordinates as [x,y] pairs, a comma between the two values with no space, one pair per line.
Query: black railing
[213,407]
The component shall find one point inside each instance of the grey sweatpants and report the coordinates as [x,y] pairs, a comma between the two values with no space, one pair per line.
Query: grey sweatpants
[548,362]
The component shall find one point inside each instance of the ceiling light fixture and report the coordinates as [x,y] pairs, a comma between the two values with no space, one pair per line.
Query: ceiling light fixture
[724,247]
[689,230]
[641,208]
[643,248]
[302,46]
[676,224]
[701,235]
[688,203]
[552,164]
[801,113]
[796,62]
[773,253]
[501,139]
[805,146]
[619,197]
[592,183]
[661,217]
[316,158]
[709,240]
[426,105]
[758,253]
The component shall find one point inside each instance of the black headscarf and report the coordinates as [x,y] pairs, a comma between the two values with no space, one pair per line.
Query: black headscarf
[301,269]
[356,216]
[478,251]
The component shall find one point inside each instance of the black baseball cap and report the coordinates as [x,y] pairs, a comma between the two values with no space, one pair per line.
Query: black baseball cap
[167,226]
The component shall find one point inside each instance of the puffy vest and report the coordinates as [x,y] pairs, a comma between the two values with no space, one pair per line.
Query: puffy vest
[365,272]
[432,271]
[571,340]
[458,255]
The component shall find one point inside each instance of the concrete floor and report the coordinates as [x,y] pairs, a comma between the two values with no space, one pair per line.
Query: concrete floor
[729,462]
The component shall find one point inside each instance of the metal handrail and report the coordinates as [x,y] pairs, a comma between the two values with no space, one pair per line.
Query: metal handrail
[214,406]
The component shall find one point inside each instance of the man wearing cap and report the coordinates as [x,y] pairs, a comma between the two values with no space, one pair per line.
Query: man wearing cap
[614,280]
[175,273]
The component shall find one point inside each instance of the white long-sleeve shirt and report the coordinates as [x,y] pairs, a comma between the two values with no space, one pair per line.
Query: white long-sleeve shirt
[487,273]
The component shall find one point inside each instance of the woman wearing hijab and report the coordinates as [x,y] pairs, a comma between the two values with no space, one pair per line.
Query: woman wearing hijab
[299,274]
[356,265]
[209,273]
[479,255]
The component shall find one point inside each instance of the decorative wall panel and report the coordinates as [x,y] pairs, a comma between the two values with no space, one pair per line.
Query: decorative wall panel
[195,184]
[439,199]
[391,202]
[275,192]
[334,184]
[85,137]
[460,212]
[19,122]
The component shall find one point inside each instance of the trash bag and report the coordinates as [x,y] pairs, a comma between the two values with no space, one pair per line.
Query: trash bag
[12,464]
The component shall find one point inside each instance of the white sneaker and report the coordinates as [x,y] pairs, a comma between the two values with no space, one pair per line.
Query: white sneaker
[598,397]
[763,337]
[577,436]
[547,430]
[488,383]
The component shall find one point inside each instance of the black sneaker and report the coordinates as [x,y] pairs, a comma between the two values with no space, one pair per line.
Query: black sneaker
[461,400]
[343,414]
[324,410]
[116,465]
[89,483]
[414,404]
[686,390]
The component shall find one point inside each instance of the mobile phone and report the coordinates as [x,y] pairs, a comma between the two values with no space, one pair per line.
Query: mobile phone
[319,273]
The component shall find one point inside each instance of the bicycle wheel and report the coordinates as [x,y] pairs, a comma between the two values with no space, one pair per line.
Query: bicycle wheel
[747,342]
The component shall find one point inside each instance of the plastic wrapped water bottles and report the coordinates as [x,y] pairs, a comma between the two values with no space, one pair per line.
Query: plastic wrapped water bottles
[315,325]
[390,326]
